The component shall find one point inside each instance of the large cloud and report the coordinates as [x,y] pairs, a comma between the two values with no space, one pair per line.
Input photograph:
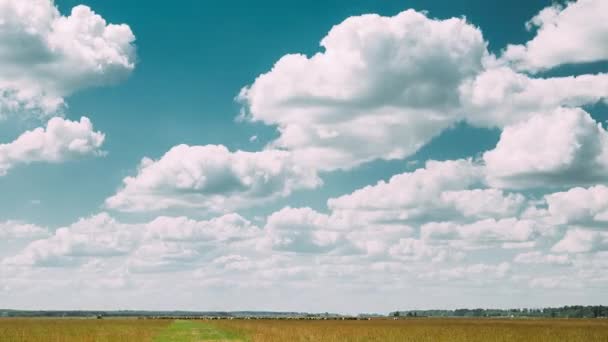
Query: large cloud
[383,87]
[577,33]
[211,178]
[97,236]
[60,140]
[562,148]
[161,244]
[450,190]
[45,56]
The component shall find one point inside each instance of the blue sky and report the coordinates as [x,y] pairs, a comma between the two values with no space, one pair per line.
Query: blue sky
[450,152]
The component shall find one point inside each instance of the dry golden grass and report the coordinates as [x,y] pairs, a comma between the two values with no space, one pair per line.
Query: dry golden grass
[422,330]
[79,330]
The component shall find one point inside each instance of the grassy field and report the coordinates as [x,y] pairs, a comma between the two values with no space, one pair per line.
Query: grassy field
[76,330]
[420,330]
[186,331]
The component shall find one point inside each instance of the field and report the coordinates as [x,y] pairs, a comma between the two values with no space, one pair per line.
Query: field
[72,330]
[487,330]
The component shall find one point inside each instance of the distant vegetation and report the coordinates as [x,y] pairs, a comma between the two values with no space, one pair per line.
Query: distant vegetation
[576,311]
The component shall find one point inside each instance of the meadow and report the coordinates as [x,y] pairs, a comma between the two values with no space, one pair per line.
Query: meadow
[79,329]
[420,330]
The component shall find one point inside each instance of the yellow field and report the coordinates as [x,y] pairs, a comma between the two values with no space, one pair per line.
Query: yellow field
[420,330]
[73,330]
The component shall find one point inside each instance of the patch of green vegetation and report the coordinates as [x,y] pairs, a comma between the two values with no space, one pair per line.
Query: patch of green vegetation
[190,331]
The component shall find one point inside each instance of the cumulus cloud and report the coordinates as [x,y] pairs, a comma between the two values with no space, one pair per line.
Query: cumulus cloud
[483,233]
[161,244]
[484,203]
[16,230]
[579,205]
[411,190]
[229,227]
[500,96]
[59,141]
[446,190]
[211,178]
[45,56]
[382,88]
[575,33]
[579,240]
[563,148]
[99,235]
[301,230]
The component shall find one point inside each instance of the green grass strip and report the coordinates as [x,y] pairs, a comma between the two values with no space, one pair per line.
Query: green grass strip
[190,331]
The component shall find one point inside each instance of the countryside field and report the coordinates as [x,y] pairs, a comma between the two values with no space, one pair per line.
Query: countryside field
[433,329]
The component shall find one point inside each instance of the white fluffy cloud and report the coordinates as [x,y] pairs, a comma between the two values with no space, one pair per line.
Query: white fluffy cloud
[14,230]
[579,205]
[450,190]
[45,56]
[229,227]
[576,33]
[211,178]
[412,190]
[579,240]
[382,88]
[100,235]
[59,141]
[160,244]
[385,86]
[563,148]
[301,230]
[499,96]
[484,233]
[484,203]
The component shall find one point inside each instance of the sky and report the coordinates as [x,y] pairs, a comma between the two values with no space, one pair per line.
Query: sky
[343,156]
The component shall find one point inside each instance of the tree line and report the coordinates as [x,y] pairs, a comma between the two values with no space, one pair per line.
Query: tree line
[575,311]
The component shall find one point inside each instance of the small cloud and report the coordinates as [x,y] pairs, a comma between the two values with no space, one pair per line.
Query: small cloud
[412,163]
[59,141]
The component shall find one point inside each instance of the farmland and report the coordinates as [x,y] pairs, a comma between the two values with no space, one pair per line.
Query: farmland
[79,329]
[421,329]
